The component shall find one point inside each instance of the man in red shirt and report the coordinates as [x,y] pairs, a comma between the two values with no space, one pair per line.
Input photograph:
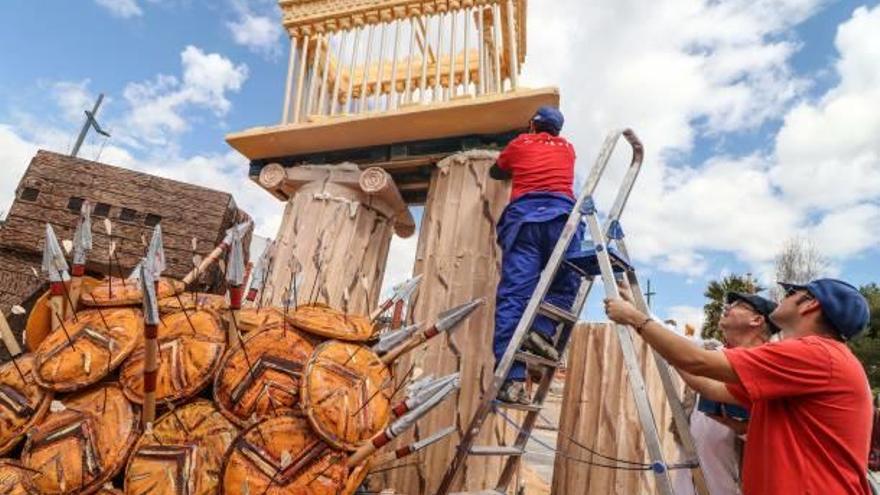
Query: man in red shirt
[541,164]
[808,395]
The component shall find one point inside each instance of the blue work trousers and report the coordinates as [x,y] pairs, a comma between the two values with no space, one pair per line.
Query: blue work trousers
[521,265]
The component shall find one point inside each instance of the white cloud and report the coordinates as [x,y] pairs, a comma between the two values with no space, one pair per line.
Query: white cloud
[121,8]
[73,98]
[676,69]
[158,107]
[257,26]
[828,152]
[261,34]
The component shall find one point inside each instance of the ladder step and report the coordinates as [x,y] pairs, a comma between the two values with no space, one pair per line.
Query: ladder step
[495,450]
[571,266]
[518,407]
[528,358]
[557,313]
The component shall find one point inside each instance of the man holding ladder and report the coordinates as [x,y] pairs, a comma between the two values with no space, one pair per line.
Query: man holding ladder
[808,395]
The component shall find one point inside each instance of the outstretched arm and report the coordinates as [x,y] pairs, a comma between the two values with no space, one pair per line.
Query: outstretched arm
[710,389]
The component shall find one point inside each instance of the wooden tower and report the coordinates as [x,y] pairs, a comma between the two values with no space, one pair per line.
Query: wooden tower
[423,93]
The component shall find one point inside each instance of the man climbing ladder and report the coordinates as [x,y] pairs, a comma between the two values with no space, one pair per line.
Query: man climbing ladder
[541,164]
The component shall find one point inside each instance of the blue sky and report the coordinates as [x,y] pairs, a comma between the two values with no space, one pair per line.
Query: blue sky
[755,114]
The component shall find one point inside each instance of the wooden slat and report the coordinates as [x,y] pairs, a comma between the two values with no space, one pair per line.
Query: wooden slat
[460,261]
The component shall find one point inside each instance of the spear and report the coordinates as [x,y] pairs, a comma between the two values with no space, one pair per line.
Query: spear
[82,244]
[9,339]
[392,339]
[235,273]
[240,230]
[408,450]
[260,273]
[421,391]
[152,267]
[108,227]
[55,267]
[401,293]
[151,342]
[447,321]
[404,423]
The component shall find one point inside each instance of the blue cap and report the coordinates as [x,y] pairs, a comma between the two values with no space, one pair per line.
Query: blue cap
[842,304]
[549,117]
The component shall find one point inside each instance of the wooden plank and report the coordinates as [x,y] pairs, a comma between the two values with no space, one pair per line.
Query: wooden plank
[459,259]
[489,114]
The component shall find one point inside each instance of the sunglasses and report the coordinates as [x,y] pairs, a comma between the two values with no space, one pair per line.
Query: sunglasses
[805,296]
[738,304]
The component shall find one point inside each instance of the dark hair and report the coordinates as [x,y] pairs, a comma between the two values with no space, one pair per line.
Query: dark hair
[545,127]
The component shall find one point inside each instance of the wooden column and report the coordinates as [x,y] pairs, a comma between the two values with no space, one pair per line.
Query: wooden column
[460,261]
[598,411]
[335,232]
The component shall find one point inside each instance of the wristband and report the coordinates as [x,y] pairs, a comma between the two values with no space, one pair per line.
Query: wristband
[641,326]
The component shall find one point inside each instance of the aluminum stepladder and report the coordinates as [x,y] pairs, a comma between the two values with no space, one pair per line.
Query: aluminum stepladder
[566,319]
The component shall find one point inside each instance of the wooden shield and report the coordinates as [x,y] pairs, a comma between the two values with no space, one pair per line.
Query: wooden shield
[22,402]
[253,319]
[82,445]
[271,385]
[13,477]
[193,301]
[190,348]
[121,292]
[184,453]
[346,394]
[322,320]
[109,490]
[283,456]
[39,322]
[99,346]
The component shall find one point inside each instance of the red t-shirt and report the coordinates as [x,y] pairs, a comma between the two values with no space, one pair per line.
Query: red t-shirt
[810,417]
[539,162]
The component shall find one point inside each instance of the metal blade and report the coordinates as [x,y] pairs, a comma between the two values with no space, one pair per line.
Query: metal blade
[240,230]
[403,291]
[453,317]
[430,388]
[135,275]
[82,238]
[408,420]
[148,286]
[235,264]
[440,435]
[394,338]
[54,264]
[156,253]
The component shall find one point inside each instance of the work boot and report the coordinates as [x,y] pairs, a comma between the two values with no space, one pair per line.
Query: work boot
[539,345]
[514,392]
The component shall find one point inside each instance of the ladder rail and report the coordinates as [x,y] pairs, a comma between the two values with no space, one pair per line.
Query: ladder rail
[678,415]
[528,424]
[531,310]
[634,375]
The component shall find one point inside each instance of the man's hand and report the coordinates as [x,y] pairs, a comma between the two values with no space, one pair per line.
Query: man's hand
[622,310]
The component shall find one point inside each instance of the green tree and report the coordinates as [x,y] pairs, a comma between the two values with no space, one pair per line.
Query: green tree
[867,348]
[716,292]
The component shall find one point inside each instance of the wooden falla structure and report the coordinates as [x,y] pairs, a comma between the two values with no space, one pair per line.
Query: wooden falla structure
[301,380]
[391,104]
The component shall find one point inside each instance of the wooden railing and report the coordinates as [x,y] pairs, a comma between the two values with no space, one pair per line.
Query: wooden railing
[406,53]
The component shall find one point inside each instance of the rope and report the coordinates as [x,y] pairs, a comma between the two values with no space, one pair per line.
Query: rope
[635,466]
[516,426]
